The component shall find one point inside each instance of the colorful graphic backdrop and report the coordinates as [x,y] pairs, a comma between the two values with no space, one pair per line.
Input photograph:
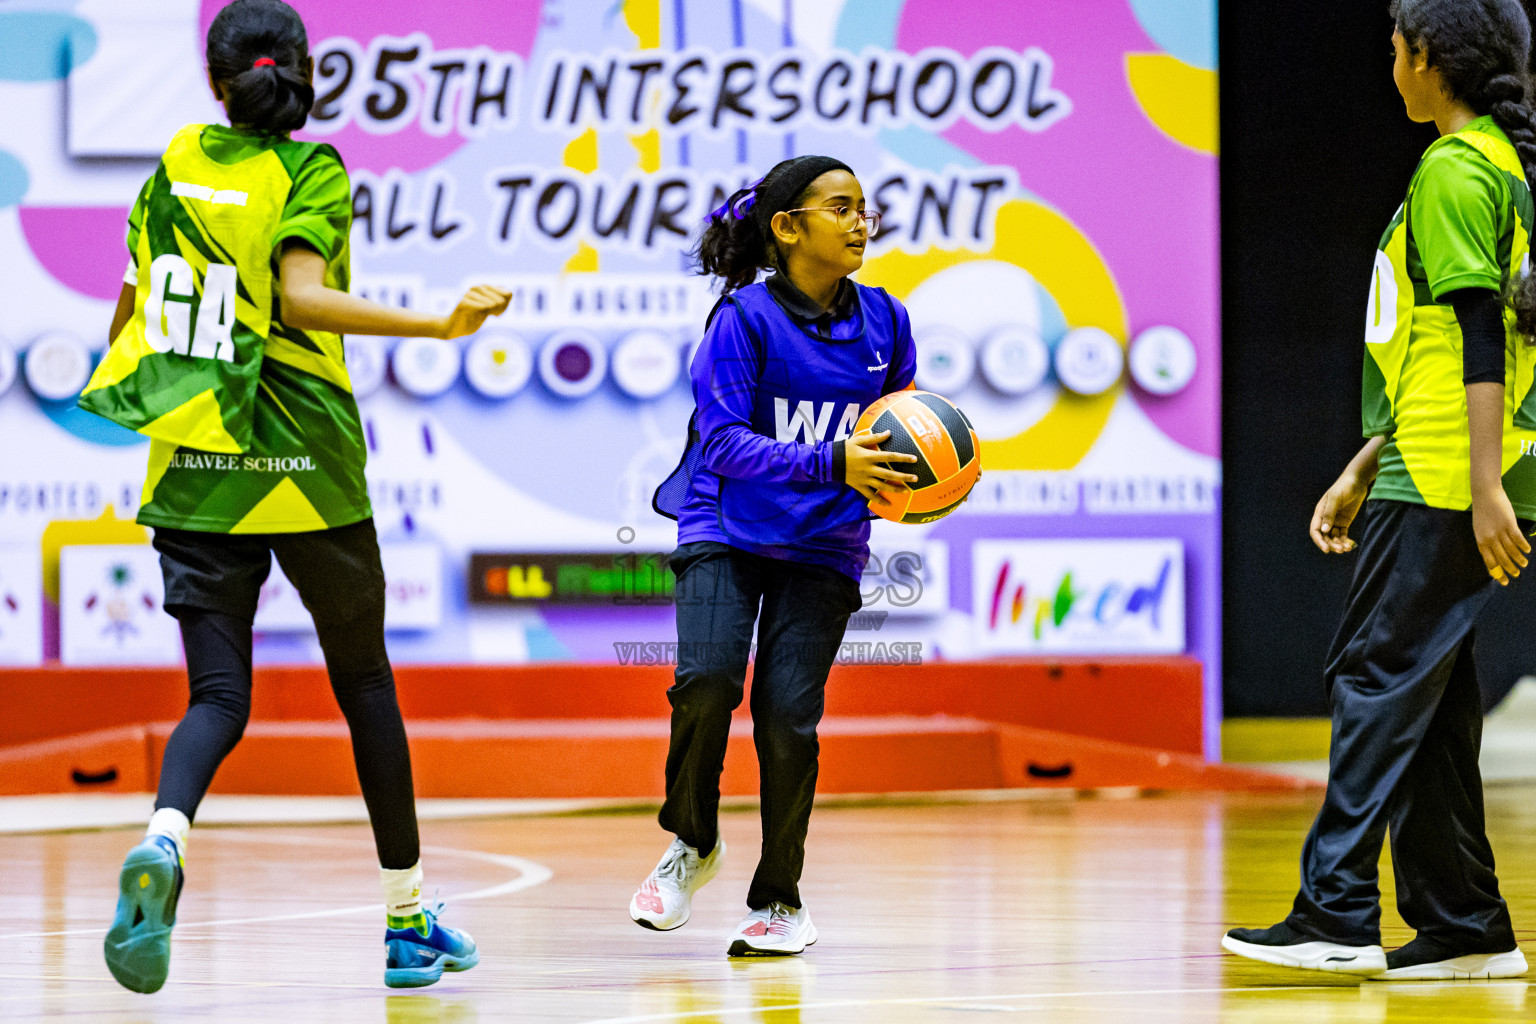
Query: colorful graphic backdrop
[1048,177]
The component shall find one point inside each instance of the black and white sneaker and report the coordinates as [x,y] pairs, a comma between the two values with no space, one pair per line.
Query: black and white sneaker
[1283,945]
[1427,959]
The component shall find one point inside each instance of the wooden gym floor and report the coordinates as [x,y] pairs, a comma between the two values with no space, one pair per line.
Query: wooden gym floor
[1065,908]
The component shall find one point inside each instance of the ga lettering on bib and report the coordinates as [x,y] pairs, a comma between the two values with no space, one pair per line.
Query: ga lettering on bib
[184,369]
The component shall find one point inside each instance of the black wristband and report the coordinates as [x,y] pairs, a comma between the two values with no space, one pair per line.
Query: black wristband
[1480,314]
[840,461]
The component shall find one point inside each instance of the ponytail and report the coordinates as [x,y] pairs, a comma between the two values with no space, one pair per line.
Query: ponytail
[258,53]
[737,242]
[733,246]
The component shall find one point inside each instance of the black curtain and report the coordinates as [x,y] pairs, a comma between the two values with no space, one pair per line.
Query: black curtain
[1316,153]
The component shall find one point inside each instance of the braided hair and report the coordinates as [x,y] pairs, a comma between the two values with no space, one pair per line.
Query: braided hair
[1482,49]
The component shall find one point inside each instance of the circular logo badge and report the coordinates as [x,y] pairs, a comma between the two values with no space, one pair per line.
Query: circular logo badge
[425,367]
[57,366]
[1014,359]
[367,364]
[945,360]
[572,363]
[1162,360]
[498,364]
[7,366]
[645,363]
[1089,361]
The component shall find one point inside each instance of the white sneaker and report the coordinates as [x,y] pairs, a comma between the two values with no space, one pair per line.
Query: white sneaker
[1475,965]
[665,899]
[775,930]
[1308,954]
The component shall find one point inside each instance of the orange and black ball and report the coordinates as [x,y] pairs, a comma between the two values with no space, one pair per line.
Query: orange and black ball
[948,454]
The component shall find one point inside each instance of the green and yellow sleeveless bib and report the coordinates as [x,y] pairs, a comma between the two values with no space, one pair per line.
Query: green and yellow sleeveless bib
[252,423]
[1466,223]
[185,367]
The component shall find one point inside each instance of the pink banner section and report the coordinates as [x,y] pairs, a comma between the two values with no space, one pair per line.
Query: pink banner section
[406,28]
[1114,173]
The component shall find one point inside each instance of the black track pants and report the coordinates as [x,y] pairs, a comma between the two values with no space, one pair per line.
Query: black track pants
[1407,727]
[805,609]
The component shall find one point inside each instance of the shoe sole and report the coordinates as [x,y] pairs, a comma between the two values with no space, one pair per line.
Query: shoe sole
[1474,965]
[742,948]
[643,923]
[140,957]
[421,977]
[1366,961]
[705,877]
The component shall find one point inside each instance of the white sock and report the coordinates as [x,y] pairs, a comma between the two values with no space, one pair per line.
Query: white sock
[171,823]
[402,890]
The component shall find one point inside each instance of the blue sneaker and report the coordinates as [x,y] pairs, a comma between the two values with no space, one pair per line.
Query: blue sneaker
[138,945]
[413,960]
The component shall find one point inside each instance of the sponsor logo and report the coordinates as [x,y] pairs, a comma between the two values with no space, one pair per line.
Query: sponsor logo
[1104,604]
[1080,596]
[593,578]
[110,607]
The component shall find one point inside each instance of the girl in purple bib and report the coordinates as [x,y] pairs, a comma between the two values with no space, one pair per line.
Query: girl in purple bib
[772,507]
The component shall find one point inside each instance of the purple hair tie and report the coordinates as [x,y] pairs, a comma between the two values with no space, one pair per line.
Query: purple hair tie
[741,207]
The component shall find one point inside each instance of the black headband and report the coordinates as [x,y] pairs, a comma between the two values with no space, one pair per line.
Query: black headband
[776,195]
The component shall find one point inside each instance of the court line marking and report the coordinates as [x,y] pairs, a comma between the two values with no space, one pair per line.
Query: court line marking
[530,874]
[738,1011]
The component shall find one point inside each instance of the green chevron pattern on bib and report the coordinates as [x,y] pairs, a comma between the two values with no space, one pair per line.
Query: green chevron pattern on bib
[185,368]
[252,422]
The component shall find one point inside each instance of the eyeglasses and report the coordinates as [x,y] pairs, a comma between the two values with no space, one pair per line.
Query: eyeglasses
[847,217]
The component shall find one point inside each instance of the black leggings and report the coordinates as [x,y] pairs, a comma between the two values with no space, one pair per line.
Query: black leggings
[211,584]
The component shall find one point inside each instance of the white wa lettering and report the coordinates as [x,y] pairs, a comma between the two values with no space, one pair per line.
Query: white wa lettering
[804,422]
[810,421]
[849,420]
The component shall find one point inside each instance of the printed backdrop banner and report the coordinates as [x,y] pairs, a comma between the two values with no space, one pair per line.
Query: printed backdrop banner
[1047,176]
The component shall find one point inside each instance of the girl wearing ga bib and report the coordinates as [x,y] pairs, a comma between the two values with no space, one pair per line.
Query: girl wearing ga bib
[1447,483]
[772,507]
[227,353]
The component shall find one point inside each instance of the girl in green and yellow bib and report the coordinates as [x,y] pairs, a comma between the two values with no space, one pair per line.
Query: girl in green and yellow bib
[227,353]
[1447,483]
